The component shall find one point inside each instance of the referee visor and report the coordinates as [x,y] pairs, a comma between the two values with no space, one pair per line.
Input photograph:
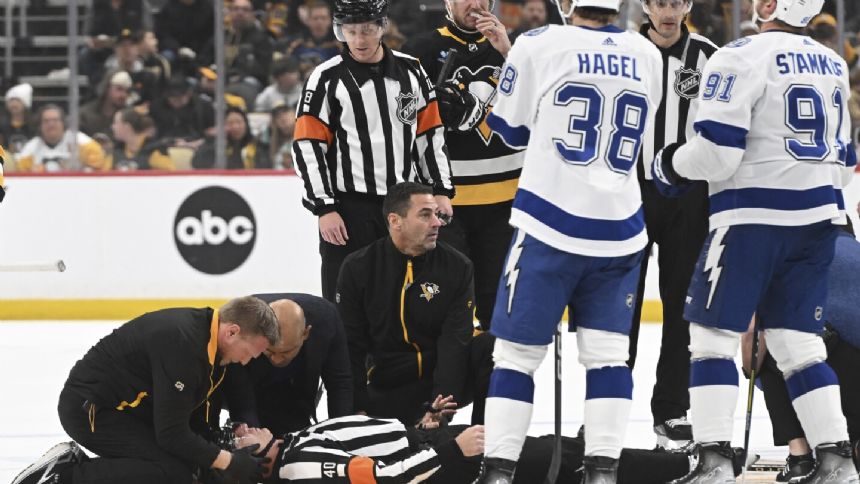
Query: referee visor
[373,28]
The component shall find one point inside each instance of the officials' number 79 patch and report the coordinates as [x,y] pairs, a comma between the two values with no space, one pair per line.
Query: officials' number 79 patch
[509,77]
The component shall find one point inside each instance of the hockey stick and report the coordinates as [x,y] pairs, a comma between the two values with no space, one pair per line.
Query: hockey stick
[552,473]
[446,67]
[750,394]
[55,266]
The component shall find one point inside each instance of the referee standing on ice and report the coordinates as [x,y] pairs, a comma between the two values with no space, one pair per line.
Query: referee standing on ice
[678,225]
[365,119]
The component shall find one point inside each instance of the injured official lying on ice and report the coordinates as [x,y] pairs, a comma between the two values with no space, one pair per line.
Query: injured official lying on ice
[360,449]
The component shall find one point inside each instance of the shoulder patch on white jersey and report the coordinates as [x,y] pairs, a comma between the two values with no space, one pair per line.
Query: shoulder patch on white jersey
[739,42]
[536,31]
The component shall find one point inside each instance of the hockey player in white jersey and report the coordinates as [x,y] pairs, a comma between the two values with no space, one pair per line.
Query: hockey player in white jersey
[578,98]
[773,144]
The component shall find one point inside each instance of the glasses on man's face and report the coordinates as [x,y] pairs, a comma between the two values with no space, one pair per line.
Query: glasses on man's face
[673,4]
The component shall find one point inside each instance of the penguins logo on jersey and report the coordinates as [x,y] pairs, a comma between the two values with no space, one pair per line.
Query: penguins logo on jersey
[407,107]
[429,290]
[482,83]
[687,82]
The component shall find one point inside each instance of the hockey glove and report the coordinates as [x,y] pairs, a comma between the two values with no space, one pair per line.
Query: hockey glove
[244,467]
[669,183]
[460,109]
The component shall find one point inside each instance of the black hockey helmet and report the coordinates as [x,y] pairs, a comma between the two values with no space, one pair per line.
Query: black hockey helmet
[359,11]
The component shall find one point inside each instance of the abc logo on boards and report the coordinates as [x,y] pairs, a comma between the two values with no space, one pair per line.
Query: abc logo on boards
[215,230]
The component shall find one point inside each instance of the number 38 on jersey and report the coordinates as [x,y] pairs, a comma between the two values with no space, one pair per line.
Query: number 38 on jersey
[600,127]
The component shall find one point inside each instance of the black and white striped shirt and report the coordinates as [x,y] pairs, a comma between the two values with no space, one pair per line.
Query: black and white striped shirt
[682,75]
[356,447]
[362,128]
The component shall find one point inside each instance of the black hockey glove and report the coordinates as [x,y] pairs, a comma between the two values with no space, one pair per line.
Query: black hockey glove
[669,183]
[460,109]
[244,467]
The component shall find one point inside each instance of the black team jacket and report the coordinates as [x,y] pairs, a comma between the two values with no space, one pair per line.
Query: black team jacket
[284,399]
[159,368]
[411,315]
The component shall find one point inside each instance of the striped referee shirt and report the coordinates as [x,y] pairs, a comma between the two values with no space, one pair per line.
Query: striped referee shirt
[362,128]
[357,447]
[682,74]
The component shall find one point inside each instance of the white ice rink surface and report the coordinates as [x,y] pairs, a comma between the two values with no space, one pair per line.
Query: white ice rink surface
[35,358]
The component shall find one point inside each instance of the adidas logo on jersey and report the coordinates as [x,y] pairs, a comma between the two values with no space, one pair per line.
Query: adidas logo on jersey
[609,41]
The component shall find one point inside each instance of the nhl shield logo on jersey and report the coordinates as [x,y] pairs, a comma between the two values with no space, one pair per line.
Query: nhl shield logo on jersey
[429,290]
[819,313]
[687,82]
[407,107]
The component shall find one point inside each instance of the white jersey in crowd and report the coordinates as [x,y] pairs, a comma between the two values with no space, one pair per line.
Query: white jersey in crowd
[772,130]
[579,100]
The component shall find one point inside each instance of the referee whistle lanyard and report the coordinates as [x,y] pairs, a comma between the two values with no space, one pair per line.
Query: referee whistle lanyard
[407,282]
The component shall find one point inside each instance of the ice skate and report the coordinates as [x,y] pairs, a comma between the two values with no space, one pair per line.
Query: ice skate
[714,465]
[496,471]
[46,470]
[599,470]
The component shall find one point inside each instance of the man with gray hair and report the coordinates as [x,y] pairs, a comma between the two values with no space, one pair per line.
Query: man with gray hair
[130,399]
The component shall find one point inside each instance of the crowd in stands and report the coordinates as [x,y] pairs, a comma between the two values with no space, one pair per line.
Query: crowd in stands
[152,78]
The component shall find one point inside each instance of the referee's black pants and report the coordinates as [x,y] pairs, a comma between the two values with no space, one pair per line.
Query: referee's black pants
[127,448]
[679,226]
[362,215]
[483,234]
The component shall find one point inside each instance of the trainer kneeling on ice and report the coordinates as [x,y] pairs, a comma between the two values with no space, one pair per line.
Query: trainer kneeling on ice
[129,400]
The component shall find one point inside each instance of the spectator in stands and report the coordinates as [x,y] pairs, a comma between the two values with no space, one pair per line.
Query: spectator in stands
[154,62]
[281,19]
[206,89]
[706,19]
[279,136]
[247,52]
[534,16]
[318,44]
[96,116]
[286,88]
[127,57]
[17,126]
[105,20]
[50,150]
[408,16]
[243,150]
[135,146]
[181,118]
[823,29]
[184,28]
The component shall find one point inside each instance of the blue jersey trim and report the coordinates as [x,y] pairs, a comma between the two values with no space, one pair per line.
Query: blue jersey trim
[713,371]
[511,384]
[722,134]
[851,156]
[811,378]
[607,28]
[575,226]
[775,199]
[514,136]
[609,382]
